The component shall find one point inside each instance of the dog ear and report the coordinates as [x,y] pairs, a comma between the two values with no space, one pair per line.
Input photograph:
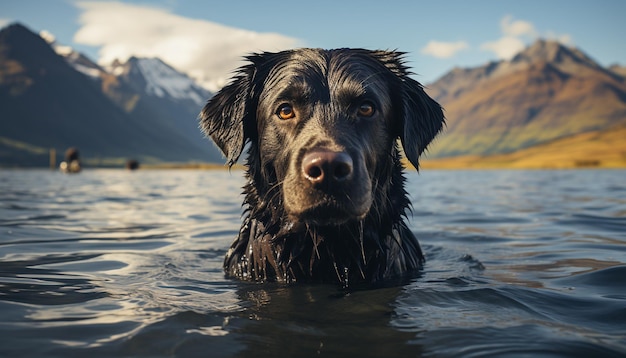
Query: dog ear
[227,118]
[422,119]
[421,116]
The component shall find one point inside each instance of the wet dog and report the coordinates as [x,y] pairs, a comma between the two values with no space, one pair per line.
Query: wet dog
[325,198]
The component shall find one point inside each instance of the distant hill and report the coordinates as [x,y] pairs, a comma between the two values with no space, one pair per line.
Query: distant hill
[546,92]
[595,149]
[51,101]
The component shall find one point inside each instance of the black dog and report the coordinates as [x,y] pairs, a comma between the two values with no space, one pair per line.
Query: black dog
[324,199]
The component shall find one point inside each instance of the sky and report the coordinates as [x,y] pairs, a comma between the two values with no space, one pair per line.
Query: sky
[207,38]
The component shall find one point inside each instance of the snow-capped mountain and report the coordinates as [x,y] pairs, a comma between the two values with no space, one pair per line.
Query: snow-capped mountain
[142,107]
[80,62]
[156,78]
[149,76]
[149,89]
[82,111]
[166,91]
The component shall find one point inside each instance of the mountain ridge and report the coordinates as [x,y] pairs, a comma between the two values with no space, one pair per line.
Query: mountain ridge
[150,87]
[159,79]
[48,103]
[145,108]
[545,92]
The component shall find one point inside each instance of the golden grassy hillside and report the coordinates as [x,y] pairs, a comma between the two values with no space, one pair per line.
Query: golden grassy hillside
[598,149]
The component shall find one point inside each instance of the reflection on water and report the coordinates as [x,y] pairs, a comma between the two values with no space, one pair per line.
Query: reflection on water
[116,263]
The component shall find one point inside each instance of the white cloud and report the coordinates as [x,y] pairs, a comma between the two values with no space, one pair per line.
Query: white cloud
[444,49]
[505,48]
[205,50]
[565,39]
[516,28]
[4,22]
[516,34]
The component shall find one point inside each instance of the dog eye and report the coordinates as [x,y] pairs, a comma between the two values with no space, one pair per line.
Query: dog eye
[285,111]
[366,109]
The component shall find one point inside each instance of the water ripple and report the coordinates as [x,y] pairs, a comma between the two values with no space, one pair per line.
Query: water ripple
[115,263]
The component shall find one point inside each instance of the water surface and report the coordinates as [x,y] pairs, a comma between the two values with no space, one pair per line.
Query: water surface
[115,263]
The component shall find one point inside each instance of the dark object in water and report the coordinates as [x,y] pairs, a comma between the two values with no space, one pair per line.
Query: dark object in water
[325,198]
[132,164]
[71,164]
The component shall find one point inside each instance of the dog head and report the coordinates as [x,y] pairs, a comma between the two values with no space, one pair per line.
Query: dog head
[323,126]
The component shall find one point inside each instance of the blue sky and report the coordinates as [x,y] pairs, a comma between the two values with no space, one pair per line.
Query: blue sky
[205,38]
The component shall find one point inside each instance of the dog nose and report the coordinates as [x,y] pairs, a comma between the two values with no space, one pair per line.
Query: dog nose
[323,166]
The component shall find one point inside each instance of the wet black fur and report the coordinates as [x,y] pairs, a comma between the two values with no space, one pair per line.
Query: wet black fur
[271,246]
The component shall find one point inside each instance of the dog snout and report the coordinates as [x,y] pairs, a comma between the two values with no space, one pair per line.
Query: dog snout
[325,167]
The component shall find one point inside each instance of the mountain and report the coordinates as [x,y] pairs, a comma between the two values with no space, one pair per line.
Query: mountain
[158,79]
[619,70]
[77,60]
[173,95]
[149,88]
[123,95]
[547,91]
[596,149]
[47,103]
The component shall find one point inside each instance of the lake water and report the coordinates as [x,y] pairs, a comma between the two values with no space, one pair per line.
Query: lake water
[116,263]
